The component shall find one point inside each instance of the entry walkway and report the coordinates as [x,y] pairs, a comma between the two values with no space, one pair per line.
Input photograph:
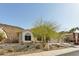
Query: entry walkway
[54,52]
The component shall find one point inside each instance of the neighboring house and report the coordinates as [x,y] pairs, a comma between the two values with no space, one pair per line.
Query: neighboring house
[72,36]
[16,34]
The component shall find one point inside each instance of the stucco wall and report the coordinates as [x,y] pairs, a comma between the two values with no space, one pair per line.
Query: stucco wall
[12,33]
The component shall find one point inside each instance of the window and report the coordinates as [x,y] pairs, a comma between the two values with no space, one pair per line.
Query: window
[28,37]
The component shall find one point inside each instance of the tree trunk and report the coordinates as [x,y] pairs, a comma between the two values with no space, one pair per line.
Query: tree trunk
[46,47]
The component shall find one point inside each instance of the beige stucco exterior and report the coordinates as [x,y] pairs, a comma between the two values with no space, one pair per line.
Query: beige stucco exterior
[15,34]
[22,36]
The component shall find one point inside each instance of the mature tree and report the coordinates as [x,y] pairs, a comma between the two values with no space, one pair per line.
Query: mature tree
[45,30]
[73,29]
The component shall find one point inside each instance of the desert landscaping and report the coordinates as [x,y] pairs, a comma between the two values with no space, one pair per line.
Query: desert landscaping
[43,38]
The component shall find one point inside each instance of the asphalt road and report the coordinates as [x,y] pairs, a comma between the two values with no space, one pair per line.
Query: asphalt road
[75,53]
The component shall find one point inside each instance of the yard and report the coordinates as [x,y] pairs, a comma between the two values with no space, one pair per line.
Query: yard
[18,49]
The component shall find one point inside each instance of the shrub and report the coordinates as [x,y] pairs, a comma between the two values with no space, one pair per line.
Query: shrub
[38,47]
[10,50]
[57,45]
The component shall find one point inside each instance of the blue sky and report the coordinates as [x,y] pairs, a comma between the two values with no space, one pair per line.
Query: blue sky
[24,15]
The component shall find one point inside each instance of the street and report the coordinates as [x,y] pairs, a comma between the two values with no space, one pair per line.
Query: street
[75,53]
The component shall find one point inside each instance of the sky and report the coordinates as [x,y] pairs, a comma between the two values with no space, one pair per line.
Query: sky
[25,15]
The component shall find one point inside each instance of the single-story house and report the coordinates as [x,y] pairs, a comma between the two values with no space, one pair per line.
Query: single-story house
[16,34]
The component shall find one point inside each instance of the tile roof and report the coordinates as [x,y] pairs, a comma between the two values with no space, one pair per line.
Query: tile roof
[11,26]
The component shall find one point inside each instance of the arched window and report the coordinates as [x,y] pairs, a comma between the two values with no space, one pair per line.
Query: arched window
[27,37]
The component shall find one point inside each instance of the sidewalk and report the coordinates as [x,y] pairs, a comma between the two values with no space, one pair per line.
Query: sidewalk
[54,52]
